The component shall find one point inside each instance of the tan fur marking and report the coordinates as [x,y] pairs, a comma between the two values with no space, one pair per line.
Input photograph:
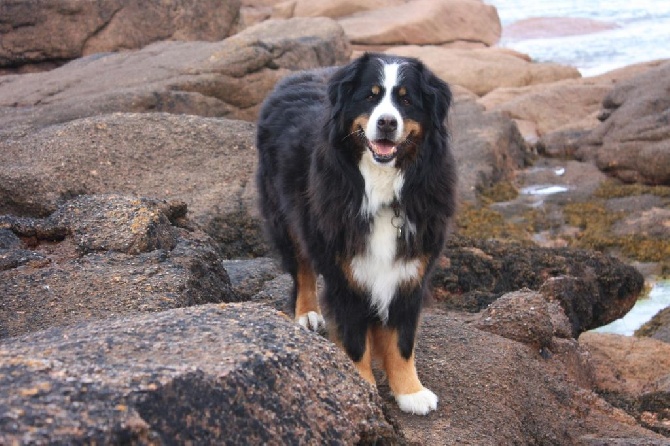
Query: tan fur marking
[364,366]
[401,372]
[416,281]
[360,123]
[411,126]
[345,266]
[376,89]
[306,300]
[402,91]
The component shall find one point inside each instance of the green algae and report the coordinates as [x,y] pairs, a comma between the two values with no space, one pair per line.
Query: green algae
[596,221]
[592,217]
[615,189]
[484,223]
[498,192]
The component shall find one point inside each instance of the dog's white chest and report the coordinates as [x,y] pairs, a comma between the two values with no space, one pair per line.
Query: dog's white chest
[377,270]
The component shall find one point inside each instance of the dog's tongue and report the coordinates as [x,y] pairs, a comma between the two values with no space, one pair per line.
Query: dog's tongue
[383,147]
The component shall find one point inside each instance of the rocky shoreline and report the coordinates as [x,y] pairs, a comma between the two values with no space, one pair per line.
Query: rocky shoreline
[139,302]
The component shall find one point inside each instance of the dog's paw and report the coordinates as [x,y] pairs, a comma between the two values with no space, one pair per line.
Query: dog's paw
[419,403]
[311,321]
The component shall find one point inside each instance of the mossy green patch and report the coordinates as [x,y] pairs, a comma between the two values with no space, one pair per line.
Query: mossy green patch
[615,189]
[596,223]
[484,223]
[499,192]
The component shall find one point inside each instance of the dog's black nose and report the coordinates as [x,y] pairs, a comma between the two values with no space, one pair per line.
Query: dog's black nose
[387,123]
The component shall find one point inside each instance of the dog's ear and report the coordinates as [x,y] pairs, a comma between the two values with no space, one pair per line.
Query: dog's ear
[341,85]
[436,95]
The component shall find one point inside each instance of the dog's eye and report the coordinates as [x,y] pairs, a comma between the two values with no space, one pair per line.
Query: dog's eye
[405,101]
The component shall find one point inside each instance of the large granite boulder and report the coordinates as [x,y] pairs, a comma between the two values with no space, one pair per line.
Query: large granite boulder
[227,78]
[482,70]
[99,256]
[633,141]
[207,163]
[212,374]
[425,22]
[46,33]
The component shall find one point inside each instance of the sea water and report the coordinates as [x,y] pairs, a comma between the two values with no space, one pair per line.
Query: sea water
[644,309]
[641,33]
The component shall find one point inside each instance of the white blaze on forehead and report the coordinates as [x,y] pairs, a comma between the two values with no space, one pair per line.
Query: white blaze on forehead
[390,78]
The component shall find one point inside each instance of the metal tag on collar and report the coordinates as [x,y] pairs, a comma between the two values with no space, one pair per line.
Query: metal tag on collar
[398,220]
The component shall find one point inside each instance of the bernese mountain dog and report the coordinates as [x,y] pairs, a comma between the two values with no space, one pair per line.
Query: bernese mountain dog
[357,183]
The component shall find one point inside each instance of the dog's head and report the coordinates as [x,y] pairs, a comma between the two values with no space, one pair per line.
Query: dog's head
[386,104]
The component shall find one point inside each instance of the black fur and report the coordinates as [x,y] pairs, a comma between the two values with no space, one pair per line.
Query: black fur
[311,188]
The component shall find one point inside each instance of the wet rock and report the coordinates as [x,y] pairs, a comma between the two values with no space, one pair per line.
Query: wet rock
[207,163]
[633,141]
[593,289]
[658,327]
[633,373]
[35,32]
[235,373]
[425,22]
[100,256]
[483,70]
[227,78]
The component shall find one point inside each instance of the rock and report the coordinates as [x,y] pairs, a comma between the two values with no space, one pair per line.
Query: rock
[563,105]
[548,27]
[593,289]
[235,373]
[248,277]
[633,141]
[335,8]
[634,373]
[35,32]
[425,22]
[226,78]
[494,390]
[207,163]
[562,111]
[521,316]
[106,255]
[487,146]
[654,222]
[658,327]
[483,70]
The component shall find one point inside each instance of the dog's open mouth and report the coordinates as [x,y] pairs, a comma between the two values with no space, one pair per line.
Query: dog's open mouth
[383,150]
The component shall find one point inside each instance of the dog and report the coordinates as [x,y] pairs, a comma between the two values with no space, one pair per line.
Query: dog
[357,181]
